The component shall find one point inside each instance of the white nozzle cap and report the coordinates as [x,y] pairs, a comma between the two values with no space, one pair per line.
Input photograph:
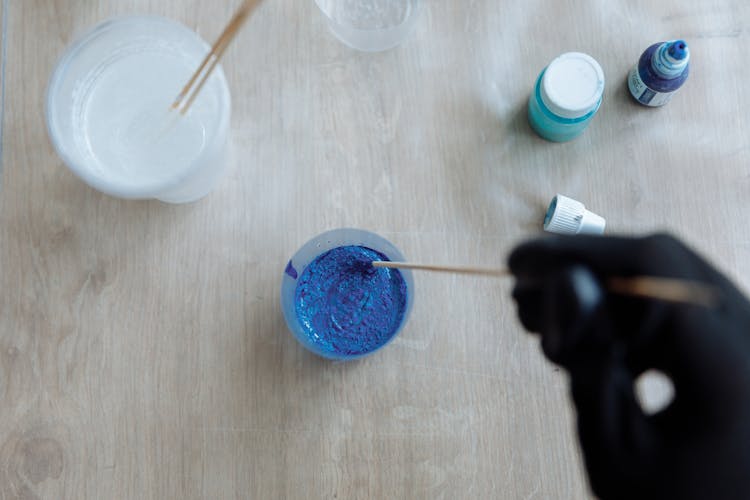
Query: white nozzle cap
[568,216]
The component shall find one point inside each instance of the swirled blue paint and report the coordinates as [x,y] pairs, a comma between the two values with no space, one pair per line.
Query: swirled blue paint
[345,306]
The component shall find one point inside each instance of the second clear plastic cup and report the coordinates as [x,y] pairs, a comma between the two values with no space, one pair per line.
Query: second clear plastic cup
[109,117]
[307,255]
[370,25]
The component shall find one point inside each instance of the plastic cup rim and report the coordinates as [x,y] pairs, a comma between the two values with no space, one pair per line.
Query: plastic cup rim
[290,316]
[106,185]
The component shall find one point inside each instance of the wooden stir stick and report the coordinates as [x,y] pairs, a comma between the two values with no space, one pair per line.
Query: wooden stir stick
[189,93]
[482,271]
[651,287]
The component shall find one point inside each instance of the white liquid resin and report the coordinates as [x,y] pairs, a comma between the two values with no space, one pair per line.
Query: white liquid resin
[124,128]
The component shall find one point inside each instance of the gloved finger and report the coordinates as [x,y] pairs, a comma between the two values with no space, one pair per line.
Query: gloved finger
[638,321]
[542,255]
[537,302]
[573,328]
[566,309]
[530,305]
[655,255]
[617,438]
[703,349]
[705,355]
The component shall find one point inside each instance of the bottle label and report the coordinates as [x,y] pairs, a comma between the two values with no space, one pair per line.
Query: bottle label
[645,95]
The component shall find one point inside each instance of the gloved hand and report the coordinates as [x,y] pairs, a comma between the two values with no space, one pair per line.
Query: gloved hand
[697,447]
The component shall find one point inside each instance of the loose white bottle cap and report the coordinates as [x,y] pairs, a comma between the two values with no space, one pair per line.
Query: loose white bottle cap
[572,85]
[568,216]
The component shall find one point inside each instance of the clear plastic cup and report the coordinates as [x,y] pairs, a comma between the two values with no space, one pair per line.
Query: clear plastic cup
[370,25]
[308,253]
[109,118]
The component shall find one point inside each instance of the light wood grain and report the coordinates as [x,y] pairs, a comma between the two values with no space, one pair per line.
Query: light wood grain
[3,31]
[142,349]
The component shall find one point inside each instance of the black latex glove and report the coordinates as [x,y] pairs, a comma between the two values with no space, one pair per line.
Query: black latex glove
[699,446]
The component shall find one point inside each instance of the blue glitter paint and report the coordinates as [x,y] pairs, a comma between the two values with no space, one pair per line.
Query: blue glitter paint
[290,270]
[345,306]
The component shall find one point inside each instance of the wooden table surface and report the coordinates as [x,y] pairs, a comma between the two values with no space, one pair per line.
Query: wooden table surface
[143,353]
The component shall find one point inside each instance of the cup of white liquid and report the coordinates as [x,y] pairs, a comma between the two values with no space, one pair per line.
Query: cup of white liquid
[370,25]
[109,117]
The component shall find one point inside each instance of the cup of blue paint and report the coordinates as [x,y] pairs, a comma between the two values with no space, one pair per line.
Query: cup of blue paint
[336,304]
[566,96]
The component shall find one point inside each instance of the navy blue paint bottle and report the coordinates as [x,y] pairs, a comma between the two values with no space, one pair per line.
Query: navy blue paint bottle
[661,70]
